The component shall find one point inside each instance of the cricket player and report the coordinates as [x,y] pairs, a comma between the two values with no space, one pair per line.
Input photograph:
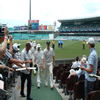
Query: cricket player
[31,53]
[38,56]
[48,63]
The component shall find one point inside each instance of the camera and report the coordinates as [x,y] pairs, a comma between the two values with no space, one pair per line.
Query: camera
[2,31]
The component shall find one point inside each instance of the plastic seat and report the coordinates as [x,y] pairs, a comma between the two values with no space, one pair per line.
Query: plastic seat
[70,85]
[63,78]
[82,77]
[94,95]
[55,70]
[96,85]
[79,90]
[59,72]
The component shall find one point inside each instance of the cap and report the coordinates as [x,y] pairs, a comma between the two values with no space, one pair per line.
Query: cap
[15,48]
[48,42]
[91,41]
[38,46]
[17,44]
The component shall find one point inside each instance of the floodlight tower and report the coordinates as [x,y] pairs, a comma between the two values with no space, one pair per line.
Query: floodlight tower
[29,9]
[54,25]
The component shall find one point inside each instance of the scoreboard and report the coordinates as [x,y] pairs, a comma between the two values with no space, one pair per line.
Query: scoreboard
[33,24]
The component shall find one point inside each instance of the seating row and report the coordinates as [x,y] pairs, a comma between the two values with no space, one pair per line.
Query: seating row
[74,85]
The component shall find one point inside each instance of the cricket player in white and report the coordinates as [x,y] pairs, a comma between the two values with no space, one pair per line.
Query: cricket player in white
[48,63]
[31,53]
[38,56]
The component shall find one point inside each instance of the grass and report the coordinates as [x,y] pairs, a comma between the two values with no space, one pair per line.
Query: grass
[70,49]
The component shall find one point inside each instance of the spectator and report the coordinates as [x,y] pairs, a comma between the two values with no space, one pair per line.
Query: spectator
[47,63]
[78,72]
[90,67]
[15,51]
[3,48]
[10,44]
[53,44]
[76,63]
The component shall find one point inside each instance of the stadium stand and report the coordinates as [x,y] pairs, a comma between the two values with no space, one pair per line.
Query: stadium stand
[24,35]
[11,29]
[77,25]
[80,29]
[45,36]
[16,38]
[17,34]
[32,36]
[39,36]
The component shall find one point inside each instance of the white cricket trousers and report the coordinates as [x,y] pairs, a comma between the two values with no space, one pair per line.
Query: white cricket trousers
[39,74]
[49,66]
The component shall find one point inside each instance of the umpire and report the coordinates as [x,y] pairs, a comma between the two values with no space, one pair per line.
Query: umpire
[26,73]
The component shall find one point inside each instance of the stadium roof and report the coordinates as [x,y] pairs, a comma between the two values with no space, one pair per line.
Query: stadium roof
[80,20]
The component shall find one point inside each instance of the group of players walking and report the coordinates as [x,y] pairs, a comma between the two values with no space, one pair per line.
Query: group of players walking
[41,59]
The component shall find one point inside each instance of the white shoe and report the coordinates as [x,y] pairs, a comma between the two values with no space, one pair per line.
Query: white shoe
[34,72]
[38,85]
[46,84]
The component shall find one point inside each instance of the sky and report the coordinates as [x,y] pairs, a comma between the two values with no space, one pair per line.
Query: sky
[16,12]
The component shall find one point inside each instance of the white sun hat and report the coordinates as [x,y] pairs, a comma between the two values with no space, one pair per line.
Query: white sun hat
[15,48]
[91,41]
[38,46]
[83,59]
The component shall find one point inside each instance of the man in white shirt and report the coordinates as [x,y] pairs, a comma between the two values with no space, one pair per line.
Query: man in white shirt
[38,56]
[26,73]
[48,64]
[76,63]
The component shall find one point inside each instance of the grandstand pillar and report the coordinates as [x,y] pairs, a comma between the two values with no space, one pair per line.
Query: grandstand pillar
[29,9]
[54,25]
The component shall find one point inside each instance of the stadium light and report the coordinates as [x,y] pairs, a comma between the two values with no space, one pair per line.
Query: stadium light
[29,9]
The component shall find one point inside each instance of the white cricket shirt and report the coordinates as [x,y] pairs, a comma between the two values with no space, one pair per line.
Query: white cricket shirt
[38,56]
[48,54]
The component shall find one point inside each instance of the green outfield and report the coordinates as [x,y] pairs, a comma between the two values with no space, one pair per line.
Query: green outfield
[70,48]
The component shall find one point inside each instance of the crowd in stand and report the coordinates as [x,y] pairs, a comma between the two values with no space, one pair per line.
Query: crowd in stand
[90,27]
[9,60]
